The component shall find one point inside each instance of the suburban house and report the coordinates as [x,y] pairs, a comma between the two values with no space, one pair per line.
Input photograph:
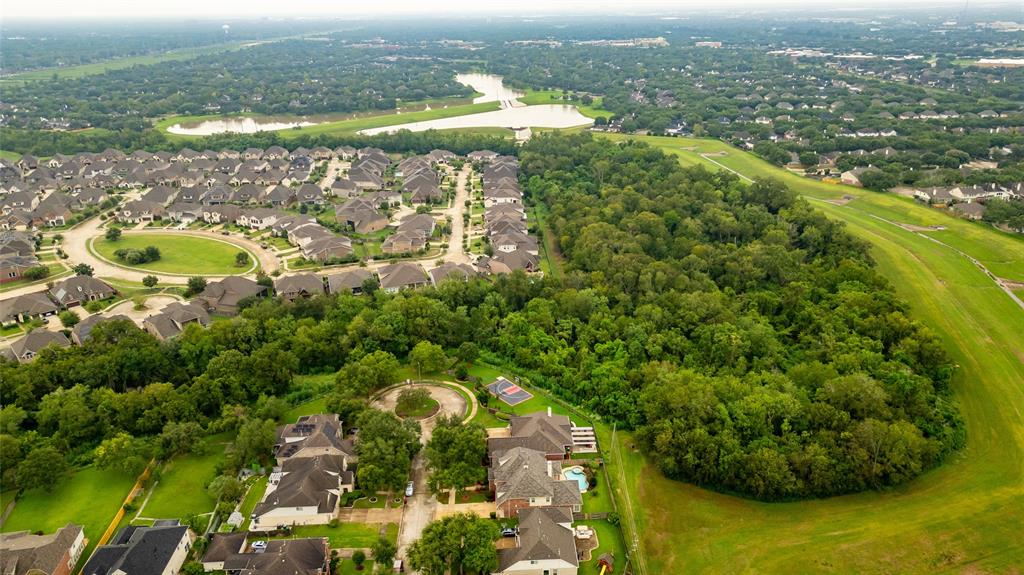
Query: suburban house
[361,215]
[541,431]
[139,211]
[311,474]
[404,243]
[403,275]
[27,348]
[223,296]
[79,290]
[521,477]
[259,218]
[174,318]
[24,553]
[13,266]
[545,545]
[327,248]
[512,241]
[82,330]
[142,551]
[25,307]
[852,177]
[299,285]
[348,281]
[306,233]
[309,556]
[460,272]
[508,262]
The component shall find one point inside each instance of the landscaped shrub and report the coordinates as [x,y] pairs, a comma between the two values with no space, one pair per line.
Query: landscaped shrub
[135,257]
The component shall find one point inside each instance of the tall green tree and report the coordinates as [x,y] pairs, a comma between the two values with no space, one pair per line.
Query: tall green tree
[461,543]
[427,357]
[455,454]
[386,447]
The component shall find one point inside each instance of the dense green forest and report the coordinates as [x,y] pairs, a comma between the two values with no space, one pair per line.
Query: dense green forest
[744,335]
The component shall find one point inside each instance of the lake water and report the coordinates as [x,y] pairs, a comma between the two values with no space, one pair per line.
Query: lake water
[513,113]
[492,87]
[235,125]
[540,116]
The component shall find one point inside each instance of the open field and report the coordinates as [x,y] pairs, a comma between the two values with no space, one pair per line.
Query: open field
[181,488]
[594,110]
[90,498]
[179,254]
[962,516]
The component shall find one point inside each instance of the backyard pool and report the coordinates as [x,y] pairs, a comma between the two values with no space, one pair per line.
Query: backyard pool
[576,474]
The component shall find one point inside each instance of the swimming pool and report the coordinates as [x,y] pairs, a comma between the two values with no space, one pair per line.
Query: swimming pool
[576,474]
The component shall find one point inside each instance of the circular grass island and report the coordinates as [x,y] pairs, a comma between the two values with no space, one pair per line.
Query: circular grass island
[416,403]
[179,254]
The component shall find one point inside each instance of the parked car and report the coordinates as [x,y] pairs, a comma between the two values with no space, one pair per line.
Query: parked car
[509,532]
[409,489]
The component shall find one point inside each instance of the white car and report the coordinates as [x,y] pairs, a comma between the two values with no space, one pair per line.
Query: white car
[409,489]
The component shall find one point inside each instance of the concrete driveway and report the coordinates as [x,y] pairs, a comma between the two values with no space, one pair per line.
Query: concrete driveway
[422,506]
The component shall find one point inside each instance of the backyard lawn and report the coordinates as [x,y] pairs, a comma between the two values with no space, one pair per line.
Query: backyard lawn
[313,407]
[181,487]
[90,498]
[598,499]
[347,567]
[257,486]
[343,535]
[179,253]
[609,538]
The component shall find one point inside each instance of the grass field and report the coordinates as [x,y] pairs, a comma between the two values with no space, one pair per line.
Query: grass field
[179,253]
[344,535]
[594,110]
[609,540]
[181,489]
[963,516]
[90,498]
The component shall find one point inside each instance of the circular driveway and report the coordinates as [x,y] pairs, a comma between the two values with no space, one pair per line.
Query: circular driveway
[451,402]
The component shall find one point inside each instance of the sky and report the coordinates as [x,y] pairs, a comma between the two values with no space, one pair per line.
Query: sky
[125,9]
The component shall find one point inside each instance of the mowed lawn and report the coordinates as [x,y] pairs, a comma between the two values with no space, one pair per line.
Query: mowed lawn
[181,489]
[90,498]
[350,535]
[964,515]
[179,253]
[609,540]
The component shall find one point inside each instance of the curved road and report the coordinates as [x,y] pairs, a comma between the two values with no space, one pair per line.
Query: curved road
[76,241]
